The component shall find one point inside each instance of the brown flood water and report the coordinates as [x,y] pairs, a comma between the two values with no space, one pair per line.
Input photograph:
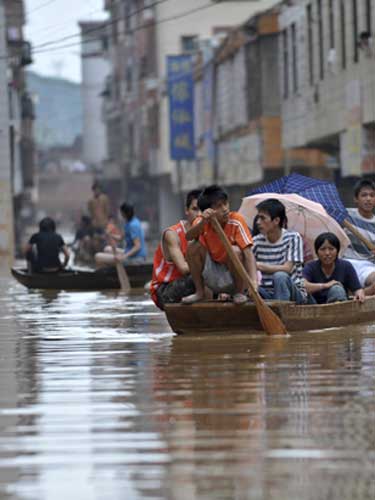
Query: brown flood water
[99,400]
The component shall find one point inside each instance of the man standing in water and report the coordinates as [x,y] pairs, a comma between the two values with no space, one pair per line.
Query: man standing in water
[99,208]
[362,217]
[171,280]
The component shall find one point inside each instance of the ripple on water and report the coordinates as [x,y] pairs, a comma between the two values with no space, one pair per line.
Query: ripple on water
[99,400]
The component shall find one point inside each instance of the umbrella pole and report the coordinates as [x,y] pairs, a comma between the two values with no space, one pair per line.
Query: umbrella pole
[359,235]
[271,323]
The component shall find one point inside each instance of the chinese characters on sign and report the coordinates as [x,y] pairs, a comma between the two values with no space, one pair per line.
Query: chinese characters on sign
[181,107]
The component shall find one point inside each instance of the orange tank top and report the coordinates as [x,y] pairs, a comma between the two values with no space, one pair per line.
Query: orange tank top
[165,271]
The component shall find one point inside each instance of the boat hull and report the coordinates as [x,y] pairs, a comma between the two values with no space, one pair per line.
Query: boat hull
[225,317]
[83,280]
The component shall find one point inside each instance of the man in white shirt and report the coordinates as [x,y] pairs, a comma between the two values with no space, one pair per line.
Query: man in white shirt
[362,217]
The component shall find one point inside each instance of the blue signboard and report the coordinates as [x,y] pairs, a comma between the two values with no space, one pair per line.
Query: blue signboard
[181,107]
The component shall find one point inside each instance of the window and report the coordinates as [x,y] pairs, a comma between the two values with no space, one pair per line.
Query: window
[355,31]
[129,79]
[128,16]
[310,44]
[104,42]
[343,33]
[189,43]
[331,7]
[143,66]
[321,41]
[294,55]
[286,63]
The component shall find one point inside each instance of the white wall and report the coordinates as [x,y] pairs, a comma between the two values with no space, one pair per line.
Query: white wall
[95,69]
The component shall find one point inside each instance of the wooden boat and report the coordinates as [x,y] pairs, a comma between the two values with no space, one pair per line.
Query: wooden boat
[226,317]
[76,279]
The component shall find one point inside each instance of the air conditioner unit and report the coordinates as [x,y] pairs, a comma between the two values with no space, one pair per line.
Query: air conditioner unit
[331,60]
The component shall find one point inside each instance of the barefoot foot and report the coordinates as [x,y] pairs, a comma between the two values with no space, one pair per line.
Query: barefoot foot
[239,298]
[191,299]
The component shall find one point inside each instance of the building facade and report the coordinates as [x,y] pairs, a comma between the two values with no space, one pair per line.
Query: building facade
[328,82]
[144,33]
[6,203]
[21,118]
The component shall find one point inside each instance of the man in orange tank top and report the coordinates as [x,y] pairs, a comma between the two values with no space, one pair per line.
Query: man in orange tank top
[207,257]
[171,280]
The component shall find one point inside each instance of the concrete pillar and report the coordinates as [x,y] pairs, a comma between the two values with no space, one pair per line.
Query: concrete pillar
[170,204]
[6,203]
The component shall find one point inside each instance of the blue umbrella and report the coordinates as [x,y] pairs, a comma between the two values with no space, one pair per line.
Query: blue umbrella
[322,192]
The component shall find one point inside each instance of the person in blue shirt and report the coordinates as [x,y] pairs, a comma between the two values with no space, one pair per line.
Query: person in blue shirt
[134,251]
[135,247]
[329,278]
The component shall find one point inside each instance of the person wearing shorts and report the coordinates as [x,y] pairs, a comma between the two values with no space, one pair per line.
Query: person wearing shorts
[206,255]
[171,279]
[362,217]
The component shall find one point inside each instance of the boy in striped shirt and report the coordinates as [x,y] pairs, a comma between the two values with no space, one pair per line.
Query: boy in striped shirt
[363,218]
[207,258]
[279,255]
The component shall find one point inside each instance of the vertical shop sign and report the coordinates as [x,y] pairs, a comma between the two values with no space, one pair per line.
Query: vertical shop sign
[180,84]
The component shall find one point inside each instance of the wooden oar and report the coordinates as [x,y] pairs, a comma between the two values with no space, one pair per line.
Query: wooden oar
[359,235]
[271,322]
[121,272]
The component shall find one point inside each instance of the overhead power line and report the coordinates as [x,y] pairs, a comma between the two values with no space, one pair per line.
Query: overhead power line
[161,21]
[103,23]
[63,23]
[40,7]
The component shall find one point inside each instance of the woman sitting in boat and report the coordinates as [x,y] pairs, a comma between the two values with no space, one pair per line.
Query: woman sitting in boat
[43,249]
[329,278]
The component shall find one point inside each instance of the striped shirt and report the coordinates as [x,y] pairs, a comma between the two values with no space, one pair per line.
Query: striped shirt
[236,230]
[289,248]
[357,249]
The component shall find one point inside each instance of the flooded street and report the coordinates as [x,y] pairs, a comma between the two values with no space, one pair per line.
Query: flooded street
[99,400]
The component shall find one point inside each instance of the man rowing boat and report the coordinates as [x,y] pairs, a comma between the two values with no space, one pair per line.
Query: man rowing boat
[207,258]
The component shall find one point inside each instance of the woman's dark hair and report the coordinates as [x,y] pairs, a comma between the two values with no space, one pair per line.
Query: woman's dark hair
[47,225]
[274,208]
[127,210]
[331,238]
[210,196]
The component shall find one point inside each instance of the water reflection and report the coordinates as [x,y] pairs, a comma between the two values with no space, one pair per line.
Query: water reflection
[98,400]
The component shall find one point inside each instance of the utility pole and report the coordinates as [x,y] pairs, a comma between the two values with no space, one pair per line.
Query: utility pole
[6,202]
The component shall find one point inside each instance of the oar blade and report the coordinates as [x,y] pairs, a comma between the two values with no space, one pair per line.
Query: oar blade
[123,278]
[121,272]
[271,322]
